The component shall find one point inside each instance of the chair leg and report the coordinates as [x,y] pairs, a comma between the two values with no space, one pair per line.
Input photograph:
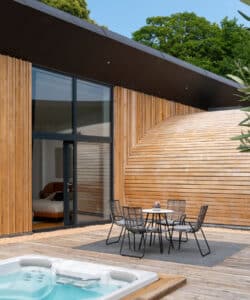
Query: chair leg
[160,241]
[180,235]
[151,237]
[142,242]
[129,241]
[186,239]
[123,238]
[154,240]
[108,237]
[206,242]
[170,233]
[171,243]
[108,242]
[144,236]
[170,239]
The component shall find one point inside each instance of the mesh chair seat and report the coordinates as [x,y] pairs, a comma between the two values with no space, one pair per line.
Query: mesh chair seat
[138,229]
[170,222]
[152,229]
[120,222]
[183,228]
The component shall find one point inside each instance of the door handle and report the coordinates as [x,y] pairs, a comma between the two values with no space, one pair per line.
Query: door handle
[69,186]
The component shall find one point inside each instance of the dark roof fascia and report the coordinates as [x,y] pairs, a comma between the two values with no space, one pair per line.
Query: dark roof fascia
[66,17]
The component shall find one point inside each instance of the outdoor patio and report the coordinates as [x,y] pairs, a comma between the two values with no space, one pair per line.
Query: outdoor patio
[224,274]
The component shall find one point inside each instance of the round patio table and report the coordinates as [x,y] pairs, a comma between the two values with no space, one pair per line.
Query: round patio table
[156,214]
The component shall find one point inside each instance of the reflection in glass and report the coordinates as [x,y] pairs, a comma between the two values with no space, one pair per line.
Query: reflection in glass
[47,179]
[93,109]
[48,182]
[52,102]
[93,181]
[47,166]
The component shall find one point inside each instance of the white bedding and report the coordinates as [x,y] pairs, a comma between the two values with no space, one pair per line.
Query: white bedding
[46,205]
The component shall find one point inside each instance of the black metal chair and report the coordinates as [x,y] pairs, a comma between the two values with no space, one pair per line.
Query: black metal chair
[179,207]
[176,218]
[117,218]
[194,227]
[136,225]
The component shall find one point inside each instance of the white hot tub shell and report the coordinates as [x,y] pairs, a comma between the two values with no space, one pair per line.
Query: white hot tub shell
[130,279]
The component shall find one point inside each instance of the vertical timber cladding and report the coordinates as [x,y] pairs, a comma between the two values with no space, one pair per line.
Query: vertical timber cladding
[135,114]
[15,145]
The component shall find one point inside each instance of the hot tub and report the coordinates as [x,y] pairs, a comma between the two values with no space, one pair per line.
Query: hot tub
[41,277]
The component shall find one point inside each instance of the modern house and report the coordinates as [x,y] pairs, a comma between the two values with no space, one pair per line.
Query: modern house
[87,115]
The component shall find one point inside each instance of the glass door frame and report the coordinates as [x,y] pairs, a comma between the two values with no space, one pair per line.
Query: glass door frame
[74,138]
[69,164]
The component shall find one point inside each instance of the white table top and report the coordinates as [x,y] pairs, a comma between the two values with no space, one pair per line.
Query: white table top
[157,211]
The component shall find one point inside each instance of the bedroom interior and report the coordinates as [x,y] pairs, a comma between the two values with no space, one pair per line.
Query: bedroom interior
[47,178]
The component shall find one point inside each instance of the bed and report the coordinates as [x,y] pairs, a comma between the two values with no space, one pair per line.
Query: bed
[47,206]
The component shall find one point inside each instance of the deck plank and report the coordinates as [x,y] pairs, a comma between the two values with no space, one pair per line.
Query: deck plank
[227,280]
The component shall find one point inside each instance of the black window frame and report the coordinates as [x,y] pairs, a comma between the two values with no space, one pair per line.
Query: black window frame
[74,137]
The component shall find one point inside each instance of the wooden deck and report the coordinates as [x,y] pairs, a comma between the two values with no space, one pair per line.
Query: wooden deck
[229,279]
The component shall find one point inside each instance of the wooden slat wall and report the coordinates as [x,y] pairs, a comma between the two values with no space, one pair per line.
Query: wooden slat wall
[93,169]
[135,114]
[15,146]
[160,155]
[193,158]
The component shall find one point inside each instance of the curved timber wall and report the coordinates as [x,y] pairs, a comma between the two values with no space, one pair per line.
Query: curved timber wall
[134,115]
[182,157]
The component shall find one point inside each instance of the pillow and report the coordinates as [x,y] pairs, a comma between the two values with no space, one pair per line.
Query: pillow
[58,196]
[51,196]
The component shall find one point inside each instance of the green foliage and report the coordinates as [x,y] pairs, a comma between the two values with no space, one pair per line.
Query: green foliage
[244,80]
[196,40]
[77,8]
[247,2]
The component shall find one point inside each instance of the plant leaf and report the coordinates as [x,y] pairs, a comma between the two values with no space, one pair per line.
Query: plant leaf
[247,2]
[236,78]
[244,15]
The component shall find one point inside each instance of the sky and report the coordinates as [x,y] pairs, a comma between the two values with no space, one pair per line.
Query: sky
[127,16]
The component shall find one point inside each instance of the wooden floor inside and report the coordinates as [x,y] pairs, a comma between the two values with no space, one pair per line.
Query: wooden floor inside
[46,225]
[229,279]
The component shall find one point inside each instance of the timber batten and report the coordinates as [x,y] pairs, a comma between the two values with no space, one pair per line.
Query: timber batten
[135,114]
[15,145]
[188,157]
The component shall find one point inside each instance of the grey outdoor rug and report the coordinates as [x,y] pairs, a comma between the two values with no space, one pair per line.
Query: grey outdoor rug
[188,254]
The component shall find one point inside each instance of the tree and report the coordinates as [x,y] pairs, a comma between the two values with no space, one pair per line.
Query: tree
[77,8]
[196,40]
[235,45]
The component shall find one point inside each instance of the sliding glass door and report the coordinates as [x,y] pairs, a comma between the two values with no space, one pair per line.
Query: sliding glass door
[72,144]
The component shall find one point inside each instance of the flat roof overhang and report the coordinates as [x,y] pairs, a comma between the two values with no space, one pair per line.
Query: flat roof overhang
[53,39]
